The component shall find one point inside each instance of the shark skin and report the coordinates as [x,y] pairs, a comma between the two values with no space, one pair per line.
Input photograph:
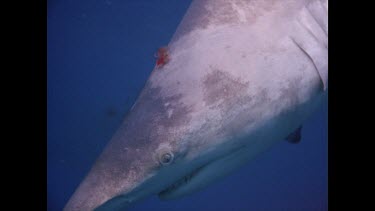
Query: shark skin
[241,75]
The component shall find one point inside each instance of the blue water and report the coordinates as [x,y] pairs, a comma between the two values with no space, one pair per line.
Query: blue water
[100,53]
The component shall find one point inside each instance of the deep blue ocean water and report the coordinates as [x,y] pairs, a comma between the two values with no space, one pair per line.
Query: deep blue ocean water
[99,55]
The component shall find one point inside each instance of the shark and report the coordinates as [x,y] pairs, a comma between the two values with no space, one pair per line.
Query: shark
[236,77]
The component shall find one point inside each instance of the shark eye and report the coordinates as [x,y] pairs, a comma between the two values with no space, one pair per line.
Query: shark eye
[166,158]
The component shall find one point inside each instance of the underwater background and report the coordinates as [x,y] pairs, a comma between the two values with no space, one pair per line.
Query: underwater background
[99,55]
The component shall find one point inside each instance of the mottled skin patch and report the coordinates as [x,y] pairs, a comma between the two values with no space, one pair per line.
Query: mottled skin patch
[224,91]
[213,12]
[220,88]
[232,98]
[158,106]
[289,94]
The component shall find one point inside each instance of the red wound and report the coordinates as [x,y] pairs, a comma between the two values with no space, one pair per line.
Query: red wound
[162,57]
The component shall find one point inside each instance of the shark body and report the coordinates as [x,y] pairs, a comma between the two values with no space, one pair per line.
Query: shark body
[241,75]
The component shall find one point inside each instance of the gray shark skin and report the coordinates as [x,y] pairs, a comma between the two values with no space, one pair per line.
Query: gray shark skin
[242,75]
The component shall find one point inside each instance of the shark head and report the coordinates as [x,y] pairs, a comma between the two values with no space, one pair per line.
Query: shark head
[148,155]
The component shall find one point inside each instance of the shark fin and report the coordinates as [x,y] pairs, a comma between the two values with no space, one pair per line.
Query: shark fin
[295,136]
[311,37]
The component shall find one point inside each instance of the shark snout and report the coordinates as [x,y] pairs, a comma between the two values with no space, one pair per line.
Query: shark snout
[110,180]
[123,175]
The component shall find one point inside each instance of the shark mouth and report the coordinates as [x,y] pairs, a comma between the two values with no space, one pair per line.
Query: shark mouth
[164,194]
[203,175]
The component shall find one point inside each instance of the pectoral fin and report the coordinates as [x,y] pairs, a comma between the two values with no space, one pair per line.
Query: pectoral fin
[295,137]
[311,37]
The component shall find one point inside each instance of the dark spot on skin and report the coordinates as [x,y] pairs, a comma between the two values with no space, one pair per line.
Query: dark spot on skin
[290,93]
[220,88]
